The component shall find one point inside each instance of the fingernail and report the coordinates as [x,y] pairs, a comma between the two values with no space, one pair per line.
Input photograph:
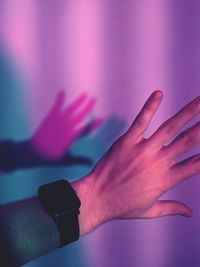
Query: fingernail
[188,214]
[158,94]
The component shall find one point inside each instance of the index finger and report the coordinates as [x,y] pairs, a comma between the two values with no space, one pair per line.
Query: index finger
[142,120]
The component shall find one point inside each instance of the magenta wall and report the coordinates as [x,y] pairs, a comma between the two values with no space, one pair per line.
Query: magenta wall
[117,52]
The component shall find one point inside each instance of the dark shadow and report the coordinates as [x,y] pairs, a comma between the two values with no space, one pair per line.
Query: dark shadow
[20,155]
[50,144]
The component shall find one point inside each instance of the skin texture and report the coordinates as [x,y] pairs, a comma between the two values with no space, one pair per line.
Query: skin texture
[135,172]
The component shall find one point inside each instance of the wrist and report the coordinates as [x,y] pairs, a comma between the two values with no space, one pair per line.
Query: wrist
[90,216]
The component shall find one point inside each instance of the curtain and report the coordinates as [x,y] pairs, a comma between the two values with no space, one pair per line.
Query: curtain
[114,53]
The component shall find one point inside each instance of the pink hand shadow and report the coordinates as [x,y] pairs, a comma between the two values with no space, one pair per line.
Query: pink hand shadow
[59,129]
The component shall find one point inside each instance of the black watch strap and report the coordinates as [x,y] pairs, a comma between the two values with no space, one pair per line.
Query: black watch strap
[61,203]
[68,229]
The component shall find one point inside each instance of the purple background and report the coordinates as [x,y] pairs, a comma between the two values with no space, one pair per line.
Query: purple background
[118,52]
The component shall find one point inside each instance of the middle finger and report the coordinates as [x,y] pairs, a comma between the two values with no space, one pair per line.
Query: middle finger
[184,142]
[173,125]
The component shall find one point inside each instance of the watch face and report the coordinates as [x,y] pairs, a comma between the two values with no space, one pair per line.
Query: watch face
[58,197]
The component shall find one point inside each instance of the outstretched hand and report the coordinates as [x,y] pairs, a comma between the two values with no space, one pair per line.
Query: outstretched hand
[135,172]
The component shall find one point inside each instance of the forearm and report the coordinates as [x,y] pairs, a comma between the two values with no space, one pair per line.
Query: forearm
[28,232]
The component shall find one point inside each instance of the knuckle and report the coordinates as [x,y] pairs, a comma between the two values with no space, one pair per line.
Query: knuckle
[187,138]
[149,107]
[120,142]
[140,121]
[193,107]
[125,143]
[169,128]
[196,164]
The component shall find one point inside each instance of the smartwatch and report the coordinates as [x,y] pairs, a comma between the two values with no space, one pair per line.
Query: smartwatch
[62,204]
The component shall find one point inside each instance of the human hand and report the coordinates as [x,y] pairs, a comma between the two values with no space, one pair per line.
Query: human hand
[61,127]
[135,172]
[100,141]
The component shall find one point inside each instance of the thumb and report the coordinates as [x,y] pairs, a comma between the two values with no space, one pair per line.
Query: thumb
[167,207]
